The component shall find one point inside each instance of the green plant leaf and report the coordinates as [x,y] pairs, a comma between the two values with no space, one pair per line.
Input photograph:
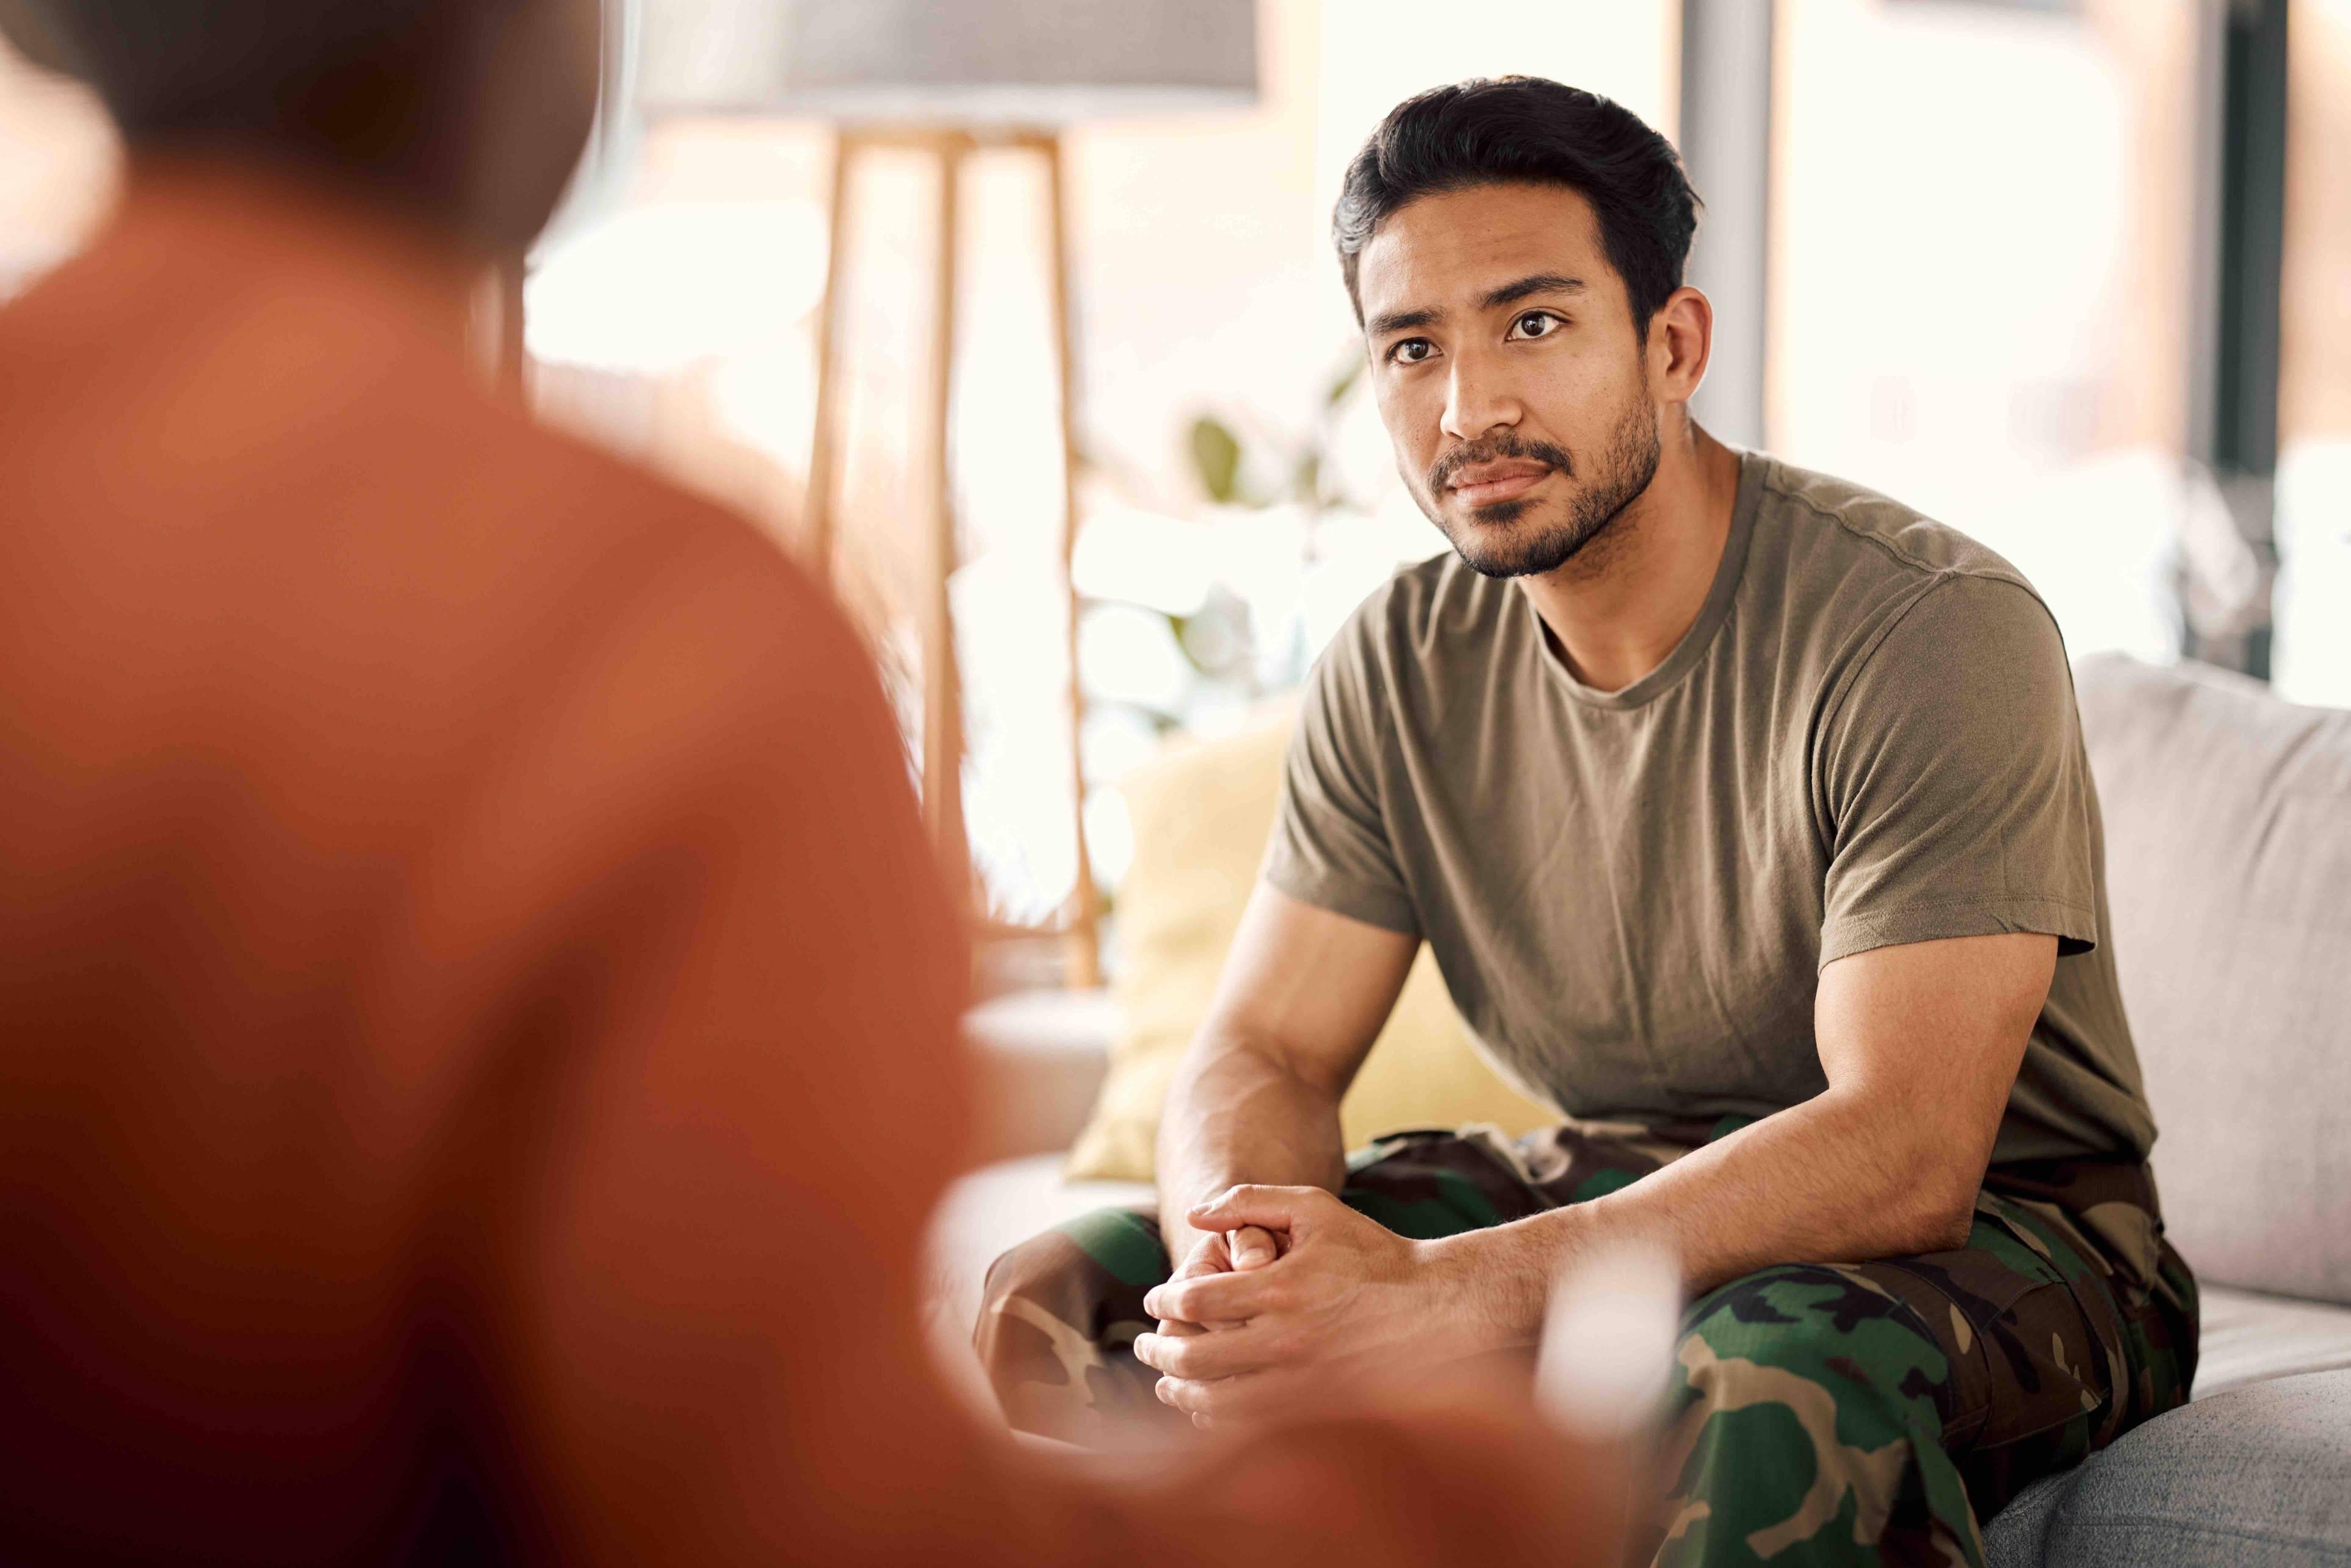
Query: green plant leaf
[1307,480]
[1216,458]
[1345,383]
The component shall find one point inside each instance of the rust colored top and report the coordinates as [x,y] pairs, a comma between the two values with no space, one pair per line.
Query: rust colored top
[478,1012]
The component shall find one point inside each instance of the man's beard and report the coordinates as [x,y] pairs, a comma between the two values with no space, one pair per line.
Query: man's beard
[1490,546]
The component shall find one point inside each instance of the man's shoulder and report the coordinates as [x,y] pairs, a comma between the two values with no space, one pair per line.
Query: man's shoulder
[1872,594]
[554,493]
[1839,565]
[1837,535]
[1822,522]
[552,551]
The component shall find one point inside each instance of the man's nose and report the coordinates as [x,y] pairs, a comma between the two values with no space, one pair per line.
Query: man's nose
[1477,401]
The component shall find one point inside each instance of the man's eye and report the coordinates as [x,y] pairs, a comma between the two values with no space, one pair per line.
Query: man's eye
[1534,324]
[1411,350]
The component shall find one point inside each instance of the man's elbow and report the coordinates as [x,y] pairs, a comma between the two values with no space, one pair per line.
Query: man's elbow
[1952,1225]
[1939,1213]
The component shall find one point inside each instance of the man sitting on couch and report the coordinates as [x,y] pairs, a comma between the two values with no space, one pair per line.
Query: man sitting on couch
[1748,815]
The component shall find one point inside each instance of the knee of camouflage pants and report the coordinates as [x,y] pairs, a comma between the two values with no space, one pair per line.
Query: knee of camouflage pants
[1057,1320]
[1803,1421]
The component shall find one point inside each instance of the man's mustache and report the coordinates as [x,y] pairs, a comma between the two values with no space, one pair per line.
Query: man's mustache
[1440,475]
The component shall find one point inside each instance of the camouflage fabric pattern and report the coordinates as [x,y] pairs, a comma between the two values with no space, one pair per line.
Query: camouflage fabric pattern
[1866,1413]
[1060,1312]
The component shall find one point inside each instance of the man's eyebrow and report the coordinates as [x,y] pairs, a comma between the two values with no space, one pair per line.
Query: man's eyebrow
[1535,283]
[1402,321]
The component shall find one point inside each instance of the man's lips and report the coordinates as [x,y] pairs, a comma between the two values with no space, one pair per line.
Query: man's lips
[1483,484]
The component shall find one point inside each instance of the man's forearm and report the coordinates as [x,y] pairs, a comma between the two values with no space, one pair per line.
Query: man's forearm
[1836,1179]
[1235,1114]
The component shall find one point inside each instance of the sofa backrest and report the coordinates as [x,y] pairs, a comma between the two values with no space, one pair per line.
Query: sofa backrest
[2228,819]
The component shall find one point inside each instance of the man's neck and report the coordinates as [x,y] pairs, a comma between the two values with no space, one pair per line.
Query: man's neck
[1618,609]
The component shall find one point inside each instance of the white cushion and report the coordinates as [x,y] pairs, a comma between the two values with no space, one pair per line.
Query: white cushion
[2228,818]
[2249,1338]
[1042,1055]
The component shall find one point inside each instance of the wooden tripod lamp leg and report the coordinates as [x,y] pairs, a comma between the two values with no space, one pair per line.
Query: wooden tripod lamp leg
[818,524]
[1083,938]
[941,685]
[501,348]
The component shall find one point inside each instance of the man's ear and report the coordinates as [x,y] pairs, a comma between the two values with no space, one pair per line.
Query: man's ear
[1681,338]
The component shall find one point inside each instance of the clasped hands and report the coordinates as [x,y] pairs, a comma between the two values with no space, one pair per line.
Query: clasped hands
[1290,1287]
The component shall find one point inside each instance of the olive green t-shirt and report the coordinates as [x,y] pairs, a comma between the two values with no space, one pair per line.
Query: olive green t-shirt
[1869,737]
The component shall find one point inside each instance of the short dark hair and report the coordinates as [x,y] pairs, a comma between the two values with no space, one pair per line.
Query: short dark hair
[1507,130]
[366,82]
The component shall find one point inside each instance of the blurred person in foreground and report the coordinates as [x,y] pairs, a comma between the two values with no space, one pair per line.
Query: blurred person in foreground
[1748,815]
[478,1013]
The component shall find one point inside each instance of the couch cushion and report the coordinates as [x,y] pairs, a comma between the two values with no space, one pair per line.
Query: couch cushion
[2258,1477]
[2228,817]
[1201,812]
[1042,1055]
[2249,1338]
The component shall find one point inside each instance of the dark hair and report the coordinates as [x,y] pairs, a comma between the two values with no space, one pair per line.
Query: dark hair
[366,82]
[1506,129]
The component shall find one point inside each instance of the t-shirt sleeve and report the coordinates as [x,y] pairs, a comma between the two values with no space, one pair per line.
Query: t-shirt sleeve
[1332,846]
[1953,782]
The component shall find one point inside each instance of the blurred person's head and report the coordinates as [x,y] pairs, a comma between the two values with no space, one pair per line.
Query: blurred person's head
[1514,251]
[471,114]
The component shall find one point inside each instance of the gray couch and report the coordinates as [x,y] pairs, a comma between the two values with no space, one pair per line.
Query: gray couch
[2228,867]
[2228,817]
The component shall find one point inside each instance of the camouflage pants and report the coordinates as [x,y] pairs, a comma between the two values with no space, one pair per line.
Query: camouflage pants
[1858,1413]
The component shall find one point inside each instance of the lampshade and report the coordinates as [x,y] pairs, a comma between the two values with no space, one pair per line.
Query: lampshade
[966,62]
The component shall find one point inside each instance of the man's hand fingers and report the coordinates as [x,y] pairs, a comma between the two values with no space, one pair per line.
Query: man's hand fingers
[1224,1398]
[1176,1328]
[1197,1269]
[1228,1353]
[1214,1298]
[1252,1247]
[1273,1208]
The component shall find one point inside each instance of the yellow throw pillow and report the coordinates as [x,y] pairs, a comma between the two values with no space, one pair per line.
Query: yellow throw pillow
[1202,811]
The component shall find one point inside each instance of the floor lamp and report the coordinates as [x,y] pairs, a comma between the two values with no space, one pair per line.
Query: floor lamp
[499,314]
[948,77]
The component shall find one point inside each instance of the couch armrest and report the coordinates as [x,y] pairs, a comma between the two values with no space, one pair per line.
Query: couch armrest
[1041,1057]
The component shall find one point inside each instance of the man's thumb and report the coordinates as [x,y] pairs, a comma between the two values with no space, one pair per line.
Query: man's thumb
[1252,1246]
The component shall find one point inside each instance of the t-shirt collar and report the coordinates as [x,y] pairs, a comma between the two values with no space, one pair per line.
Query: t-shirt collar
[1711,616]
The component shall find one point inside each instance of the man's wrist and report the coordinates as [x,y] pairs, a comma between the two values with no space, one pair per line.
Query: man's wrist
[1495,1284]
[1177,1201]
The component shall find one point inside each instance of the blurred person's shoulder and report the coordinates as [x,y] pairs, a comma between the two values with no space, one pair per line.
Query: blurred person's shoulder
[176,398]
[246,480]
